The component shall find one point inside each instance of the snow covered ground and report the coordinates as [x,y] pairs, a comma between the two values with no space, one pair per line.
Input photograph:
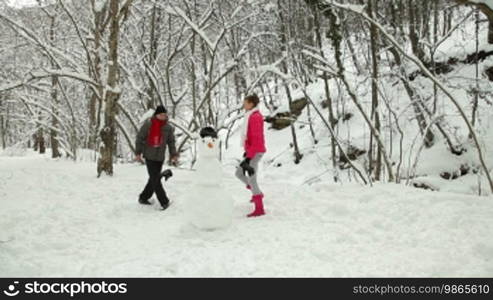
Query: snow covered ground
[58,219]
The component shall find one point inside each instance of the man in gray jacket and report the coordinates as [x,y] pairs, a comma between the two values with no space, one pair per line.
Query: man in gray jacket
[152,139]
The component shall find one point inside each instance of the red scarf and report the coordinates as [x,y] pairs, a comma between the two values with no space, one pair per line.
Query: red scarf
[155,138]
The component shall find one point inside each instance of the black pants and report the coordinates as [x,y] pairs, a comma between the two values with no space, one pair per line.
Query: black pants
[154,183]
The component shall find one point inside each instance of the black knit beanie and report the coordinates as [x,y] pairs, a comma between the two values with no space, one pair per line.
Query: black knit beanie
[208,132]
[160,109]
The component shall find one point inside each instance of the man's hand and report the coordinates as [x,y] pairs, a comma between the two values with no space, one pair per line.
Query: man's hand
[245,165]
[139,158]
[174,160]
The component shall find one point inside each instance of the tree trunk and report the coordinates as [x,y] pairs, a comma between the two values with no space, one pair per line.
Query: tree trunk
[97,94]
[476,91]
[413,30]
[40,141]
[332,120]
[284,68]
[108,132]
[335,36]
[374,93]
[416,102]
[153,48]
[3,128]
[193,75]
[55,153]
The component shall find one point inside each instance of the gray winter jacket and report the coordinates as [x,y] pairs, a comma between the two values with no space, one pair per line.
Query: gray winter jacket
[155,153]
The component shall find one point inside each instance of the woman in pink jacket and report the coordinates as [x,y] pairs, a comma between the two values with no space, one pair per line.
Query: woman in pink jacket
[252,141]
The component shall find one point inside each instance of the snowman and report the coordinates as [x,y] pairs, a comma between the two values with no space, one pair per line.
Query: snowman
[208,205]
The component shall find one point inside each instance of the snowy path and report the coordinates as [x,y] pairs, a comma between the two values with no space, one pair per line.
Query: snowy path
[57,219]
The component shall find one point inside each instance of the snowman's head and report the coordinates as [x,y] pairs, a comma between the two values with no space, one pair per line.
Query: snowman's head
[209,145]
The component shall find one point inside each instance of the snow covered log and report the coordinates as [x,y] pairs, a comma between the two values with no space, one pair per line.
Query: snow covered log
[284,119]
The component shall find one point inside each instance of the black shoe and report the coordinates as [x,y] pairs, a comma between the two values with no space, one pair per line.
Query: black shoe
[144,202]
[164,207]
[166,174]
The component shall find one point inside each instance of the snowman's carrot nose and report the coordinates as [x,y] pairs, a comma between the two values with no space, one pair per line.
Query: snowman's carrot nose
[210,145]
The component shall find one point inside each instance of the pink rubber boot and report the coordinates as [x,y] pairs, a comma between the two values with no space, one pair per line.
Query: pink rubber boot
[258,200]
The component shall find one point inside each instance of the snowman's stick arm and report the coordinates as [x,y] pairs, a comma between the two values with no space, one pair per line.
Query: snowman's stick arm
[185,169]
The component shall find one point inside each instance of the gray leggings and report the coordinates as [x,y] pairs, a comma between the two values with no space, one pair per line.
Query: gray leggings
[252,181]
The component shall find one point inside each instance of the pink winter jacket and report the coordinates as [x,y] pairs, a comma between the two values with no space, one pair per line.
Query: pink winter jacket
[255,142]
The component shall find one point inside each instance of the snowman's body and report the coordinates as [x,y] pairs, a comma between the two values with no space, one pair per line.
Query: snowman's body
[209,206]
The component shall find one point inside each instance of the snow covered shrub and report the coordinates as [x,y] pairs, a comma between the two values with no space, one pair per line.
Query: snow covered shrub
[14,151]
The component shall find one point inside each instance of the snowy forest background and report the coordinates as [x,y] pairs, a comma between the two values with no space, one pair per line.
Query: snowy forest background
[353,91]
